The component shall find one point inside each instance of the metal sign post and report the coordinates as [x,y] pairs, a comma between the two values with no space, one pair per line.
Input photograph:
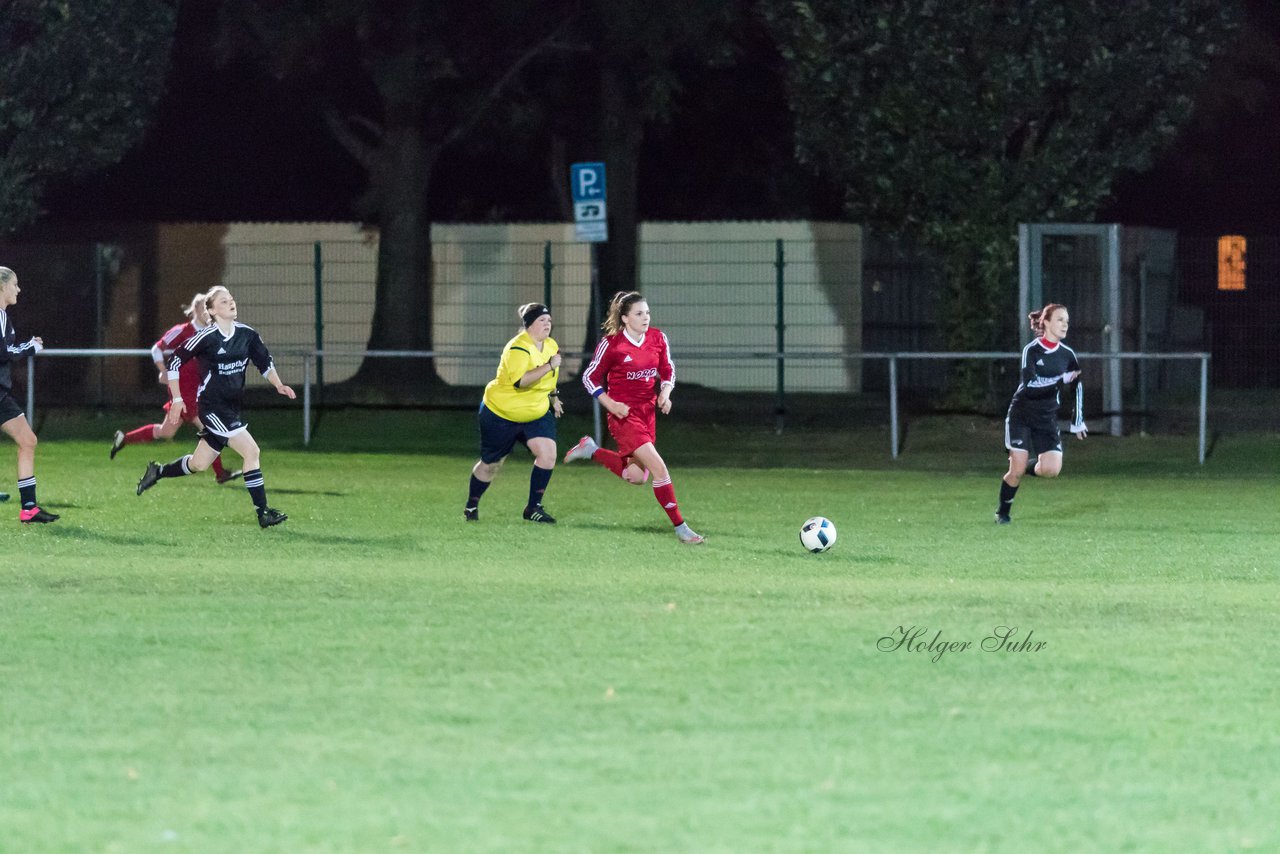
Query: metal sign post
[591,225]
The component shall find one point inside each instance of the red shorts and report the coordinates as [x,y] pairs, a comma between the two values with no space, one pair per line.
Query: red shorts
[190,410]
[638,428]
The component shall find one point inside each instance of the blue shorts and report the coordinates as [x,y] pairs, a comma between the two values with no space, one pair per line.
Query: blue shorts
[498,435]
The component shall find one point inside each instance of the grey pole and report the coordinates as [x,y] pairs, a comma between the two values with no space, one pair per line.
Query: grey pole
[780,407]
[306,399]
[99,331]
[1114,341]
[547,269]
[596,321]
[893,406]
[1204,401]
[318,268]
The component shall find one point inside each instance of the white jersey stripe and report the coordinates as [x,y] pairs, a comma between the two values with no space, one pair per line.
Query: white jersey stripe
[591,386]
[670,361]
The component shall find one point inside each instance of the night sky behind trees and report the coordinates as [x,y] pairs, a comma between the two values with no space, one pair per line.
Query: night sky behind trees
[749,109]
[77,89]
[228,143]
[231,143]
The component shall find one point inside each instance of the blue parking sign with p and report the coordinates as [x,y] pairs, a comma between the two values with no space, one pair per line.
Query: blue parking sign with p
[587,182]
[590,218]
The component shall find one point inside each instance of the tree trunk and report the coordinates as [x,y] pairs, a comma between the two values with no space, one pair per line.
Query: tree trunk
[621,135]
[402,316]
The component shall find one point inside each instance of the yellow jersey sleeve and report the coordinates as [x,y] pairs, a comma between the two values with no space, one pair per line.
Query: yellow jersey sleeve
[520,356]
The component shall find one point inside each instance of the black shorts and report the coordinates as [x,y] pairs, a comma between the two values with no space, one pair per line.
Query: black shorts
[1033,432]
[9,408]
[220,424]
[498,435]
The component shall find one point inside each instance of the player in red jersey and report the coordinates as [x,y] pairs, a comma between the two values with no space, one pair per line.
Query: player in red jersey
[189,382]
[632,375]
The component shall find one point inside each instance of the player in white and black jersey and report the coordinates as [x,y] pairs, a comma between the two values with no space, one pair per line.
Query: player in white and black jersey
[1031,426]
[13,420]
[224,351]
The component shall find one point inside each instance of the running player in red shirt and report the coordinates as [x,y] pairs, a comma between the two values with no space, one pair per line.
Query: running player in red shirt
[632,375]
[188,381]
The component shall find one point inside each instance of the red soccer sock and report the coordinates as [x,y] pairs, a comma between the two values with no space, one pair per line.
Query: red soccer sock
[218,470]
[666,495]
[142,435]
[611,460]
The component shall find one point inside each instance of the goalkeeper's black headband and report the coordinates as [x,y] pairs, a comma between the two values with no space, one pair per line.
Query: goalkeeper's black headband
[535,311]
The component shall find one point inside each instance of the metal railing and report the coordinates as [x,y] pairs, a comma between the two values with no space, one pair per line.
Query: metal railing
[31,368]
[310,357]
[895,433]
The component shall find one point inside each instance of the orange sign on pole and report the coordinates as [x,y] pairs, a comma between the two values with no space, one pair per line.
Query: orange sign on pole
[1231,262]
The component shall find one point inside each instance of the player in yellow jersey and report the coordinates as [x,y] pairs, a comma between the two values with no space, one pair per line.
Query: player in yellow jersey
[521,404]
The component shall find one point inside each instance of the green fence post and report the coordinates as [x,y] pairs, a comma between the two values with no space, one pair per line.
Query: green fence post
[546,274]
[100,326]
[319,274]
[780,410]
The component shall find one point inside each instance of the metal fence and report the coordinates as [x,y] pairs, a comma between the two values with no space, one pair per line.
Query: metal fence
[311,359]
[715,298]
[720,300]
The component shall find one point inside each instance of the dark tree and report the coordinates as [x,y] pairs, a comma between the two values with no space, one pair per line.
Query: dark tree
[398,81]
[953,122]
[1220,174]
[640,51]
[78,82]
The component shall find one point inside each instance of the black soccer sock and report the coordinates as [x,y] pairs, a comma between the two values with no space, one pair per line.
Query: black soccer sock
[477,489]
[1031,466]
[1006,497]
[27,490]
[178,468]
[538,480]
[257,488]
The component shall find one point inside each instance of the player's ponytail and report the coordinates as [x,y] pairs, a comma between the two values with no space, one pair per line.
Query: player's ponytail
[618,306]
[1040,318]
[190,308]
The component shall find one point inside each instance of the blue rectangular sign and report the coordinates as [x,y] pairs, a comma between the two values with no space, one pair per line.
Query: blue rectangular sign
[586,182]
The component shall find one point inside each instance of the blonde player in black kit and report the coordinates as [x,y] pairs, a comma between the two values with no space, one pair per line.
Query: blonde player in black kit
[224,349]
[1048,366]
[13,420]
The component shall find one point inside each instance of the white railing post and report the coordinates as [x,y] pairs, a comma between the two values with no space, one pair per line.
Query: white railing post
[1204,401]
[893,406]
[31,389]
[310,365]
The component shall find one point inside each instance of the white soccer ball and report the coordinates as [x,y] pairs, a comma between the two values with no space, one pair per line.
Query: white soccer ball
[818,534]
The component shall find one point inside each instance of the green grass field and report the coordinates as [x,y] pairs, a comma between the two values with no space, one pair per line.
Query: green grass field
[376,675]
